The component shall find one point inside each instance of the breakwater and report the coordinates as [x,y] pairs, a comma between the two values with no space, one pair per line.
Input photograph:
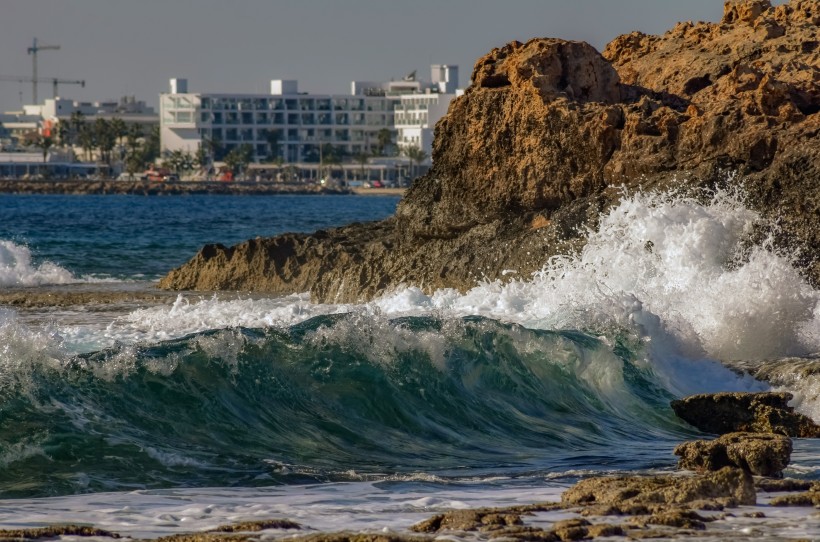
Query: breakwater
[151,188]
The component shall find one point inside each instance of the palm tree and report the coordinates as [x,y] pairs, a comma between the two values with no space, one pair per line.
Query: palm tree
[45,143]
[76,123]
[273,138]
[385,139]
[105,138]
[119,129]
[417,156]
[361,158]
[87,140]
[62,130]
[239,158]
[213,146]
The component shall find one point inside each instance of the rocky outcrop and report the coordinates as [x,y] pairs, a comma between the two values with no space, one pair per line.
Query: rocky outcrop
[727,487]
[731,412]
[761,454]
[546,132]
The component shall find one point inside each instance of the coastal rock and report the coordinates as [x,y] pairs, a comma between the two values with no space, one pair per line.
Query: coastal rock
[732,412]
[545,137]
[727,487]
[761,454]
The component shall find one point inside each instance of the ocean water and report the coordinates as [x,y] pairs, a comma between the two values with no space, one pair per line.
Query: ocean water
[177,417]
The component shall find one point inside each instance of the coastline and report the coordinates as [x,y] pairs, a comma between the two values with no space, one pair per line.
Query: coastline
[151,188]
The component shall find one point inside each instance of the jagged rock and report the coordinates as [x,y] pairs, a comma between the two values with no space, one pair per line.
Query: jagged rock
[533,149]
[762,454]
[731,412]
[727,486]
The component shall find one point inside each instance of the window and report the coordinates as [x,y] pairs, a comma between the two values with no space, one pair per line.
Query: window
[247,118]
[231,135]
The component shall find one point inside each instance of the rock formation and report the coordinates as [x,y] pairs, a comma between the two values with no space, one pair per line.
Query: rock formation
[761,454]
[728,487]
[545,135]
[730,412]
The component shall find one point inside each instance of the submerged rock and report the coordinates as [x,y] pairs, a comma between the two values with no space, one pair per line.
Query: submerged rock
[730,412]
[762,454]
[543,139]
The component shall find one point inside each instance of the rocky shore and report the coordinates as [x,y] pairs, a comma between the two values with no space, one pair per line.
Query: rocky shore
[151,188]
[551,132]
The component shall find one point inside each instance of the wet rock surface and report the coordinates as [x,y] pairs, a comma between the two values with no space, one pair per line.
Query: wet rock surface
[760,454]
[545,137]
[730,412]
[726,487]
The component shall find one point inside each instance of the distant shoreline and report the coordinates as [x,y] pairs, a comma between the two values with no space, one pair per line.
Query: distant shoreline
[152,188]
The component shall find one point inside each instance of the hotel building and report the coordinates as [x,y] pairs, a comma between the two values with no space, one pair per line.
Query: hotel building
[295,127]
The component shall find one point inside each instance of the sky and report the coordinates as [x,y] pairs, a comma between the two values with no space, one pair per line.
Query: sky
[128,47]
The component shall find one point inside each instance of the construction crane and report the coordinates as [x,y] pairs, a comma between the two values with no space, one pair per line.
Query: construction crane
[53,80]
[33,50]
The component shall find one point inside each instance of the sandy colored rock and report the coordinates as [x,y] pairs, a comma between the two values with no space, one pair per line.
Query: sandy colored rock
[727,486]
[761,454]
[553,129]
[730,412]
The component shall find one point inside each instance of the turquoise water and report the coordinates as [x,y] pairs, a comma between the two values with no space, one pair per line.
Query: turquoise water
[351,416]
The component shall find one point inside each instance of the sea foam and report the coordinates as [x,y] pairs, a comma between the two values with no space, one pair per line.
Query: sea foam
[18,269]
[678,274]
[671,268]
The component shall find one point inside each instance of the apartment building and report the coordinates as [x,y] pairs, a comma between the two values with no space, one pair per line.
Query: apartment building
[294,126]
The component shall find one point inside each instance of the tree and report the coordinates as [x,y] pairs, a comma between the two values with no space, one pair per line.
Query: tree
[119,130]
[330,155]
[417,156]
[105,139]
[201,157]
[179,161]
[76,125]
[152,145]
[45,143]
[385,140]
[214,148]
[273,138]
[87,140]
[239,158]
[63,132]
[361,158]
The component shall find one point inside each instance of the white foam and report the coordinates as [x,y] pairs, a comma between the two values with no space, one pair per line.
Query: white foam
[17,268]
[672,271]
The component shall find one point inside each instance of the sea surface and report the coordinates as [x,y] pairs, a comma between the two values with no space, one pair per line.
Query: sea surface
[181,416]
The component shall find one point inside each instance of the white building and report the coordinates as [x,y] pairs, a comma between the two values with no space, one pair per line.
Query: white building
[299,127]
[45,116]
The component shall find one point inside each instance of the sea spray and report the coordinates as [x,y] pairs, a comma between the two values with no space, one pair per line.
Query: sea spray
[18,269]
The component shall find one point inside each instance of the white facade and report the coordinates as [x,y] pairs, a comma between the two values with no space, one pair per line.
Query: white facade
[416,116]
[294,126]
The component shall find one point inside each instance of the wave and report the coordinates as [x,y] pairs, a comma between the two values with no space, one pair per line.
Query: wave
[331,396]
[17,268]
[564,370]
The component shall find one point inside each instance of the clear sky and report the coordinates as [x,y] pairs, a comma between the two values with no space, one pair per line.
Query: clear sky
[130,47]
